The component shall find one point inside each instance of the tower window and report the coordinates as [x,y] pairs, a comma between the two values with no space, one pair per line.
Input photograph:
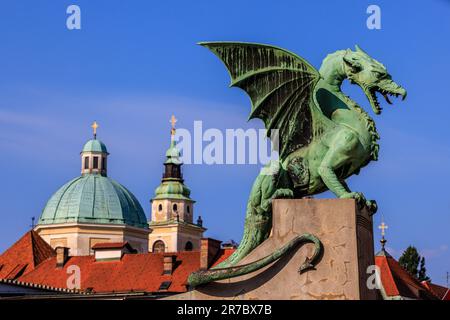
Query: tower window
[86,162]
[188,209]
[188,246]
[95,166]
[104,163]
[175,207]
[159,247]
[160,207]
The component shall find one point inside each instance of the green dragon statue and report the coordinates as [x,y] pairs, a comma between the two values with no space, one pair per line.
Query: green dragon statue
[323,136]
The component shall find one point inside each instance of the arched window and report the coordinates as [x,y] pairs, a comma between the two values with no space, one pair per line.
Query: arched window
[159,246]
[160,207]
[95,164]
[188,246]
[86,163]
[175,207]
[188,209]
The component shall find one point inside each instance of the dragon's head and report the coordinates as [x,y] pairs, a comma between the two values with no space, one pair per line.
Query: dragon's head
[371,76]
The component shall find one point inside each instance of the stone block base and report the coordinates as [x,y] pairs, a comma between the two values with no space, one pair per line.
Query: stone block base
[347,237]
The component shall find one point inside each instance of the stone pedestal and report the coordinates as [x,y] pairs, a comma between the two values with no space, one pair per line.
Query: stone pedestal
[347,237]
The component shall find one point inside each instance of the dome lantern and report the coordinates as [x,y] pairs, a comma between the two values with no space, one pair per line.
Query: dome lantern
[94,155]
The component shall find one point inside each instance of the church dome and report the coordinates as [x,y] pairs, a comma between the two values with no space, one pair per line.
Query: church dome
[93,198]
[94,145]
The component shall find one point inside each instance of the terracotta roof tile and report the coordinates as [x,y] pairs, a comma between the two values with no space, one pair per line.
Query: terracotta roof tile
[31,260]
[439,291]
[24,255]
[38,286]
[397,281]
[222,255]
[134,272]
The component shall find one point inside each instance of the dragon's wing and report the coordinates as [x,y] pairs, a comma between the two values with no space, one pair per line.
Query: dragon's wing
[280,85]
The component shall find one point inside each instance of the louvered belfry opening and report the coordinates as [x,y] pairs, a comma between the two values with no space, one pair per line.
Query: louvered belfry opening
[172,171]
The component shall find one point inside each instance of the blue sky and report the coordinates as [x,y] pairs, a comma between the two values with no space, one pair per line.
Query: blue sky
[135,63]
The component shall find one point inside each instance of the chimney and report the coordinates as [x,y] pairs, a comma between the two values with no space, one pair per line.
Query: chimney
[209,248]
[168,263]
[62,255]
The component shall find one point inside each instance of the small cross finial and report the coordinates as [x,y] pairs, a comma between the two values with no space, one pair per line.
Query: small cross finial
[94,127]
[173,121]
[383,228]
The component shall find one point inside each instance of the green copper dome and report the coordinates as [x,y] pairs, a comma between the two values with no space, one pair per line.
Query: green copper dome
[93,198]
[173,154]
[172,190]
[94,145]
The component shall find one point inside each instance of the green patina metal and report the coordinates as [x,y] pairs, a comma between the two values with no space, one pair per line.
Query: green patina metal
[324,136]
[172,186]
[93,198]
[173,154]
[94,145]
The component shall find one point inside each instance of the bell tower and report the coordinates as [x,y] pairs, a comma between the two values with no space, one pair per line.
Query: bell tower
[172,219]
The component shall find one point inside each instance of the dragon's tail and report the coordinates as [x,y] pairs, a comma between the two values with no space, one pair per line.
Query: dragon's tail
[202,277]
[257,229]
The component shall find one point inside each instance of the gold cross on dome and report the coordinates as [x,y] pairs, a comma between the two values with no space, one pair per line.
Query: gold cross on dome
[383,227]
[94,127]
[173,121]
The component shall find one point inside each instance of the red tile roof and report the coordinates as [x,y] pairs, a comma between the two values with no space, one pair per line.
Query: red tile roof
[441,292]
[397,282]
[222,255]
[447,295]
[37,286]
[24,255]
[134,272]
[31,260]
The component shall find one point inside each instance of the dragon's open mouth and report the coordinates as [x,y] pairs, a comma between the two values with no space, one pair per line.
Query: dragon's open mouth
[371,94]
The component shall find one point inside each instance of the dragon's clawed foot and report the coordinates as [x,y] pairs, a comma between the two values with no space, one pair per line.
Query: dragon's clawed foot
[361,201]
[372,206]
[282,193]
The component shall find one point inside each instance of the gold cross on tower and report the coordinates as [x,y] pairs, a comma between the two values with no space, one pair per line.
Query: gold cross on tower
[383,227]
[173,121]
[94,127]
